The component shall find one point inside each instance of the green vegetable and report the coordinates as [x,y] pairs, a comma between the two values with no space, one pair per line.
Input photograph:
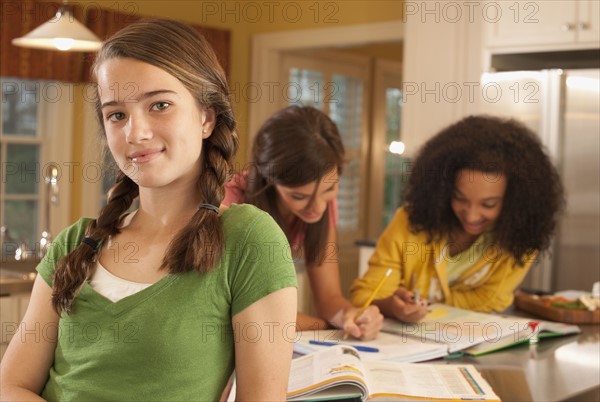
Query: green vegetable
[572,305]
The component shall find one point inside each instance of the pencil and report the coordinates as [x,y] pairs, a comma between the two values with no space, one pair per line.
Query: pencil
[370,299]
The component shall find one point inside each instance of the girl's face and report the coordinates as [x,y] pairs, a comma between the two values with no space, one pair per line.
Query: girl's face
[308,202]
[477,199]
[154,126]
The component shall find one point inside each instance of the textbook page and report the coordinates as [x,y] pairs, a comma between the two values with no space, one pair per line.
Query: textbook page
[461,329]
[405,381]
[457,328]
[338,371]
[330,372]
[401,349]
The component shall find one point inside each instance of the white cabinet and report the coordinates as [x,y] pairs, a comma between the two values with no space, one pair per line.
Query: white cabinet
[588,23]
[12,310]
[542,25]
[442,65]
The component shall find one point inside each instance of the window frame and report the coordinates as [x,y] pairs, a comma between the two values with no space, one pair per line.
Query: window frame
[54,131]
[386,74]
[331,62]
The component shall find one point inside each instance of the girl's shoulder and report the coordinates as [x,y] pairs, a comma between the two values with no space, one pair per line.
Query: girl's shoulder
[71,236]
[241,219]
[400,227]
[65,242]
[241,211]
[401,219]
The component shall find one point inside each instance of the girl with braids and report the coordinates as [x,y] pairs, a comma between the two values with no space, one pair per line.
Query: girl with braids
[297,158]
[481,204]
[161,303]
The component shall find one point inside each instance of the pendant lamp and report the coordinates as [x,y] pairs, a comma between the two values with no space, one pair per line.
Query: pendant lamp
[63,32]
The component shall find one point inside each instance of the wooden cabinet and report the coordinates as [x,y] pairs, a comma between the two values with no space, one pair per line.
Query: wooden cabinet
[12,310]
[542,25]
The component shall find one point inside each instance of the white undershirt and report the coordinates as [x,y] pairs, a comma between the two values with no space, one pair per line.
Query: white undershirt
[111,286]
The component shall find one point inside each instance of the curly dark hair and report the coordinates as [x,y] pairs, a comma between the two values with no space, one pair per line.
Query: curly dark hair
[534,192]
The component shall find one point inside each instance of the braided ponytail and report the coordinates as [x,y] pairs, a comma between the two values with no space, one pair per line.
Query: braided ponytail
[199,245]
[73,270]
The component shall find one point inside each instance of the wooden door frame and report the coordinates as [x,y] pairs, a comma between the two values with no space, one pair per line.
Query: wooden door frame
[267,49]
[376,173]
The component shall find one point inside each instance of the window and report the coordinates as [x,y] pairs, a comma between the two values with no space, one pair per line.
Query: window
[389,167]
[35,146]
[338,84]
[338,87]
[346,111]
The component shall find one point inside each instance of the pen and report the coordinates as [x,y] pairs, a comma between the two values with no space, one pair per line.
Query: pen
[416,297]
[357,347]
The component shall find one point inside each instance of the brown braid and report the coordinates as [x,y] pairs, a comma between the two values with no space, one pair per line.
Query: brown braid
[73,270]
[198,246]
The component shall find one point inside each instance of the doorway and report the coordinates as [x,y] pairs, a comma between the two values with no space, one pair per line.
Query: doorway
[340,64]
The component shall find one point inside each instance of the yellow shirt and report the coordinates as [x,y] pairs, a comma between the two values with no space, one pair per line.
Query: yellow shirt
[486,285]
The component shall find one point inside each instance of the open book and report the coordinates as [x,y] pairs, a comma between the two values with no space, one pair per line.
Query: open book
[386,347]
[476,333]
[338,372]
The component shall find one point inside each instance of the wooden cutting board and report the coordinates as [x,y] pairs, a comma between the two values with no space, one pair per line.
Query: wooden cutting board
[535,305]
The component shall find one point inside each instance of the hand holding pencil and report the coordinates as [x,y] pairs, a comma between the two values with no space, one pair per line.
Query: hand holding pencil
[364,325]
[405,303]
[366,322]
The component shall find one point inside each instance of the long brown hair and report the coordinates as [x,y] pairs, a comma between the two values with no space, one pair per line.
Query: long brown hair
[295,146]
[184,53]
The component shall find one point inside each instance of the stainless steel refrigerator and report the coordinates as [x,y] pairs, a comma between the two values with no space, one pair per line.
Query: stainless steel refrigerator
[563,107]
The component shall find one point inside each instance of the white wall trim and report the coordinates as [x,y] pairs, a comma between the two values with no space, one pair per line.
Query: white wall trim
[267,49]
[91,193]
[57,129]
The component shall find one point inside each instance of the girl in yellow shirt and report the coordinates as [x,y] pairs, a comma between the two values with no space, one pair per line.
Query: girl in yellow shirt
[481,203]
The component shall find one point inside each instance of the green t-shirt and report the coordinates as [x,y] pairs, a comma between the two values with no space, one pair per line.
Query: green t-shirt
[174,340]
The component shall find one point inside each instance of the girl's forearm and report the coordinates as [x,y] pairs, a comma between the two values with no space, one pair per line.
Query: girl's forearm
[305,322]
[17,393]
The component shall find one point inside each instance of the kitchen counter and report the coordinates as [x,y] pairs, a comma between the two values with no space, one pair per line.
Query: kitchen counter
[564,368]
[17,277]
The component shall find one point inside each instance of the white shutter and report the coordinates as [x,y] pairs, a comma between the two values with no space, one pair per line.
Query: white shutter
[339,84]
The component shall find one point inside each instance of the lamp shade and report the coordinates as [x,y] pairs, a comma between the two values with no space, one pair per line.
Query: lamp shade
[63,32]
